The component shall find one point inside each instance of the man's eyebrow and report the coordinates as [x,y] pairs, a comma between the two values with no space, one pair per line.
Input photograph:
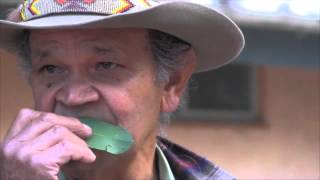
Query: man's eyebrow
[47,45]
[45,49]
[49,42]
[97,46]
[94,40]
[101,49]
[40,51]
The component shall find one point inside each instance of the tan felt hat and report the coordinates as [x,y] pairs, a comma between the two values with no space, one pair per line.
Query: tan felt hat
[216,39]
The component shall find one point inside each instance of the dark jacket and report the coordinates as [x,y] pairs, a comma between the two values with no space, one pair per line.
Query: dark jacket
[186,165]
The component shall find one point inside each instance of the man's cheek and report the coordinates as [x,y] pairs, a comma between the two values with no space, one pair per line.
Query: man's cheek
[122,104]
[44,99]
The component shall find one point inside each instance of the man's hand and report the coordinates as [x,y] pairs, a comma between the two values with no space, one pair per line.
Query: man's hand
[39,143]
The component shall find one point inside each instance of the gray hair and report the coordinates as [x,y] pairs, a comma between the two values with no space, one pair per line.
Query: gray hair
[165,49]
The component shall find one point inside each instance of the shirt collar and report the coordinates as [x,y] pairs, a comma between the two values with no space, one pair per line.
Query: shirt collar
[164,170]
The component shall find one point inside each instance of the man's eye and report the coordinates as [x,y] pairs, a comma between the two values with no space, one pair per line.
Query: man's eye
[51,69]
[105,66]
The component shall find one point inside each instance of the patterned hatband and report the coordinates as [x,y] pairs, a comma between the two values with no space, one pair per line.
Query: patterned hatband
[31,9]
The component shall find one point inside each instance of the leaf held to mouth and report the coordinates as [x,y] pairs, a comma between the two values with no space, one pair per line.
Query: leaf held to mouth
[107,137]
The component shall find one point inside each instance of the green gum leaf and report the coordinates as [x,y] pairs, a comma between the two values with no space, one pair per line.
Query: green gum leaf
[107,137]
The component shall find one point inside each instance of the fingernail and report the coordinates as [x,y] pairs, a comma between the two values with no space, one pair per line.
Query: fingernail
[93,156]
[87,127]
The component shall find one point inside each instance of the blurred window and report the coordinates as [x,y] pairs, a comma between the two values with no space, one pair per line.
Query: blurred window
[228,93]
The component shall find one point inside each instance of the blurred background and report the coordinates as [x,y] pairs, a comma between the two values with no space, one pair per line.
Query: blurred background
[258,118]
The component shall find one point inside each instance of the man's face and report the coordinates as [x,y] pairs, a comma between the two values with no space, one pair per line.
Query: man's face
[103,74]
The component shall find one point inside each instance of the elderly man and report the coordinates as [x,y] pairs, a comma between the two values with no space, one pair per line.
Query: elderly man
[117,61]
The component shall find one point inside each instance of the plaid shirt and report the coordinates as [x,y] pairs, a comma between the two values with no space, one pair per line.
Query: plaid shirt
[186,165]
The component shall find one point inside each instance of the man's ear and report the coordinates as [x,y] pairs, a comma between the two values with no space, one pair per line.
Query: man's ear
[178,81]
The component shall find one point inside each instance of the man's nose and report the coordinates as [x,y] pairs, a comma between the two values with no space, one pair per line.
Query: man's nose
[77,92]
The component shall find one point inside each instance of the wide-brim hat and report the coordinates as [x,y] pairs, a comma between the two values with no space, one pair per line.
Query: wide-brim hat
[215,38]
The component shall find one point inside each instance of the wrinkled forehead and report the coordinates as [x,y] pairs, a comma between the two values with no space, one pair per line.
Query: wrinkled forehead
[128,36]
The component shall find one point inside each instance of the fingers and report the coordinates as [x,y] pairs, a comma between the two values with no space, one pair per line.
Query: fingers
[47,163]
[63,152]
[55,135]
[23,118]
[30,124]
[40,143]
[43,130]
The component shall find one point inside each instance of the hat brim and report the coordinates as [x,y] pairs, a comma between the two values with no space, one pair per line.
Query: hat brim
[215,38]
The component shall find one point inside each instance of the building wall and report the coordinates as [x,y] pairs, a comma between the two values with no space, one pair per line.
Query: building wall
[14,91]
[284,143]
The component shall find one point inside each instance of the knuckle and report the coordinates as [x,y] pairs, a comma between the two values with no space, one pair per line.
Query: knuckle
[6,152]
[23,154]
[65,145]
[47,118]
[7,149]
[23,113]
[35,162]
[59,130]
